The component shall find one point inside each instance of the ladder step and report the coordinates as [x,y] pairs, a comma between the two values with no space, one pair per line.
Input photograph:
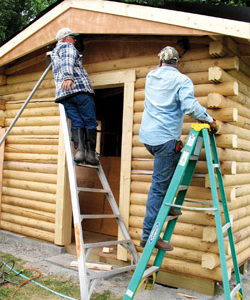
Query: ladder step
[112,272]
[182,188]
[191,208]
[235,290]
[199,202]
[84,189]
[226,227]
[100,216]
[150,271]
[168,218]
[194,157]
[107,243]
[87,166]
[216,165]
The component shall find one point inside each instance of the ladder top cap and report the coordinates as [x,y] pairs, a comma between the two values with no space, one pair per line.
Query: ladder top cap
[200,126]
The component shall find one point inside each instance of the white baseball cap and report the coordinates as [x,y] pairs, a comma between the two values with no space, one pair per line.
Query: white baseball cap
[168,53]
[64,32]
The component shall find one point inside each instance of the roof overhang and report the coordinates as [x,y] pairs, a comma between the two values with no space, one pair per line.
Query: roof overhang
[102,17]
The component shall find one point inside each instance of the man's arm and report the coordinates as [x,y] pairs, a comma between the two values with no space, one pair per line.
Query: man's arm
[68,55]
[189,104]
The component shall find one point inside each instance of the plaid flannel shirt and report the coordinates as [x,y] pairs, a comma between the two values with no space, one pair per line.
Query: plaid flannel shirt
[67,64]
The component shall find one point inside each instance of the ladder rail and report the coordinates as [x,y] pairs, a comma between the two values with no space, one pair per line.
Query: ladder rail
[217,213]
[25,103]
[82,270]
[228,226]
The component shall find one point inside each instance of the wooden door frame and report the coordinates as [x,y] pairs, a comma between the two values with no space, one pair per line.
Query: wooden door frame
[122,78]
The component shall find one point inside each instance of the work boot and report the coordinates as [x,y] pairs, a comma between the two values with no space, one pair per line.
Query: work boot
[174,212]
[160,244]
[79,145]
[91,157]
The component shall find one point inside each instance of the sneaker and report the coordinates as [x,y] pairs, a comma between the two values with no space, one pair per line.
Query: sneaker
[174,212]
[160,244]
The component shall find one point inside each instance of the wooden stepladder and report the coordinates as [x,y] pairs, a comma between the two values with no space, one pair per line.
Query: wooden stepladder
[200,134]
[88,278]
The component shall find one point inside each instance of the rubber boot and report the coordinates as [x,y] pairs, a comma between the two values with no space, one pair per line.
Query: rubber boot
[91,157]
[79,144]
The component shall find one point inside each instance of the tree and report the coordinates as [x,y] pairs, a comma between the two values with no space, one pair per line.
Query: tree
[16,14]
[162,3]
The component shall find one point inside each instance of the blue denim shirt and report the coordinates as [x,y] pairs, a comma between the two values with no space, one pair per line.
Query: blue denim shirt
[67,64]
[169,95]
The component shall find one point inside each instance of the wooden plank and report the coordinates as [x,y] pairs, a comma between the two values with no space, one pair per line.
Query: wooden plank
[113,78]
[126,154]
[195,21]
[2,132]
[203,286]
[63,220]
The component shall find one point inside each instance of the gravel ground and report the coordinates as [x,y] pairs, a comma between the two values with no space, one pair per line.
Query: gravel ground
[37,254]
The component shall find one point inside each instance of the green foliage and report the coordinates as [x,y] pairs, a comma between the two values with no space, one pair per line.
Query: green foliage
[161,3]
[16,14]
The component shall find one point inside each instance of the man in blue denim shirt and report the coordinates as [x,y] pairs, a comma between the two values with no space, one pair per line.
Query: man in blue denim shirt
[169,95]
[75,92]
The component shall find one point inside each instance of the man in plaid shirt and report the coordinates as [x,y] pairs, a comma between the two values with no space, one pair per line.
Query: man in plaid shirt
[75,92]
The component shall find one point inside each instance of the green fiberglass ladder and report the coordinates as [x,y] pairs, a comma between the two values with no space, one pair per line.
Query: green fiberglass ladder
[200,134]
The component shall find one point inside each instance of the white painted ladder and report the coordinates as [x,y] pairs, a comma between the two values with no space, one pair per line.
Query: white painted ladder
[88,278]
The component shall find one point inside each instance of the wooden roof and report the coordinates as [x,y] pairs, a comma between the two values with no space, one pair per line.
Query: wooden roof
[106,17]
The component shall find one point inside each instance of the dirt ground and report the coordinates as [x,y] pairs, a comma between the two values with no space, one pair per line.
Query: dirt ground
[37,256]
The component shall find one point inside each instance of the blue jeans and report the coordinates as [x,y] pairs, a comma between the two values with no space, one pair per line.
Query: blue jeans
[80,109]
[165,162]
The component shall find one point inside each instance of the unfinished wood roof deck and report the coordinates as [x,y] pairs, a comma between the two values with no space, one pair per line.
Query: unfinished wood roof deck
[102,16]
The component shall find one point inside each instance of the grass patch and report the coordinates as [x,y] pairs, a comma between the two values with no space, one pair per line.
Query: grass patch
[105,296]
[31,291]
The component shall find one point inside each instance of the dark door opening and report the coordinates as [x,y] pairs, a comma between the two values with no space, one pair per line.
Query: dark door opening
[109,108]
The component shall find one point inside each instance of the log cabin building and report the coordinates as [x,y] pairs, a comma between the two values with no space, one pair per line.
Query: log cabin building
[120,43]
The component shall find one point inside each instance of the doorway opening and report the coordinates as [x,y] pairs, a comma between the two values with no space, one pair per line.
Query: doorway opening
[109,114]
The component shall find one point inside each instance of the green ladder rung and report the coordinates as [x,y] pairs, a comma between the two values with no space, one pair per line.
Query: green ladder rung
[235,290]
[191,208]
[226,227]
[150,271]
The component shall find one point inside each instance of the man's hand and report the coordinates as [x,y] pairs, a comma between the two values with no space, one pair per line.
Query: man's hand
[66,84]
[214,126]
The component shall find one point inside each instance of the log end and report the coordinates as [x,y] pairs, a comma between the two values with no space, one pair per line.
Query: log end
[210,261]
[209,234]
[214,100]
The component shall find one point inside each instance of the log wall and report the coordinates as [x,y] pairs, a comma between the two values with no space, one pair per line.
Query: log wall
[221,83]
[218,87]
